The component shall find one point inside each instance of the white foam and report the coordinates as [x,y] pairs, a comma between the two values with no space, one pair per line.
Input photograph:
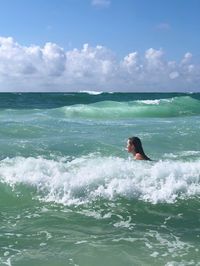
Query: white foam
[156,101]
[169,245]
[149,101]
[89,178]
[92,92]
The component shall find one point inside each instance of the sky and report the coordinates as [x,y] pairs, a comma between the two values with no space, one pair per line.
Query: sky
[100,45]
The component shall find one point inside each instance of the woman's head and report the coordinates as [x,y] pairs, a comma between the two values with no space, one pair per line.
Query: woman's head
[134,145]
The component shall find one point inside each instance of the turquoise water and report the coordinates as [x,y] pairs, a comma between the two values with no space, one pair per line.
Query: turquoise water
[70,194]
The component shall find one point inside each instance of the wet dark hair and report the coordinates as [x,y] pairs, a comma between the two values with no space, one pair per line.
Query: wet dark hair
[138,147]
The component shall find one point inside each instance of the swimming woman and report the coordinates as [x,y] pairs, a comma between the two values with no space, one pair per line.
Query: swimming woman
[134,146]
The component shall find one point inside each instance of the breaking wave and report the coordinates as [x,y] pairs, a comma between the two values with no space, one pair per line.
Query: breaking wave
[93,177]
[172,107]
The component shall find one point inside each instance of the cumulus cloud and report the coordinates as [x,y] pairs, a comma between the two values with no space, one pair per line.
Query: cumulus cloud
[51,68]
[187,58]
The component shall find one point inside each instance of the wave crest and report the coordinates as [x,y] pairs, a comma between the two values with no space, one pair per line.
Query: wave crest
[173,107]
[89,178]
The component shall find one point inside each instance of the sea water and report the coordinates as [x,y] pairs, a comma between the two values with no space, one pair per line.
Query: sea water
[70,194]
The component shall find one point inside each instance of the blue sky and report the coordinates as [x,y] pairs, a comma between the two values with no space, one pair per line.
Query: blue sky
[128,38]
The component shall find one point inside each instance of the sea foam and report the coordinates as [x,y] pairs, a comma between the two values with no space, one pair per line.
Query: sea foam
[89,178]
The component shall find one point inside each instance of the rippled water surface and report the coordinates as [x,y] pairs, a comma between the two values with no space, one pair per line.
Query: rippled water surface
[71,195]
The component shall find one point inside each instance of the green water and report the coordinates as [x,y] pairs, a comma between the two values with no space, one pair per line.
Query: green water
[71,195]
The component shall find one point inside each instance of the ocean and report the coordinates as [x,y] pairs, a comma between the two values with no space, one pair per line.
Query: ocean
[70,194]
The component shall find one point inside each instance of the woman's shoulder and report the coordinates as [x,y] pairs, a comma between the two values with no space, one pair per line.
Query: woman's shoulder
[138,156]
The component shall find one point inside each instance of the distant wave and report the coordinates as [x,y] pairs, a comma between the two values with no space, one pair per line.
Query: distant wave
[172,107]
[95,92]
[92,92]
[87,179]
[56,100]
[106,110]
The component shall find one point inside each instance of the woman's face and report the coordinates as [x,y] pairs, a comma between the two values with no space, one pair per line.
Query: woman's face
[130,147]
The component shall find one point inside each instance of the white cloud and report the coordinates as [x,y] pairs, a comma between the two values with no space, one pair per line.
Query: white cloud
[174,75]
[130,61]
[101,3]
[187,58]
[154,59]
[51,68]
